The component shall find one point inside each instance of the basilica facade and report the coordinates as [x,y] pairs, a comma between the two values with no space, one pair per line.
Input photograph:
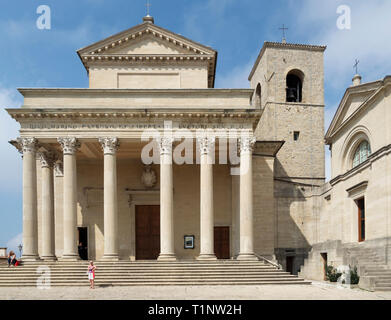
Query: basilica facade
[152,162]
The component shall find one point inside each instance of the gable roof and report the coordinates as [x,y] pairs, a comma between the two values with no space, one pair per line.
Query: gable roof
[182,49]
[369,91]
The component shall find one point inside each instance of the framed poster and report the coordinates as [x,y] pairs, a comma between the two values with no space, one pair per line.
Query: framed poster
[189,242]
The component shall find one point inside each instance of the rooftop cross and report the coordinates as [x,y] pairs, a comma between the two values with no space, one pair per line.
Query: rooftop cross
[148,5]
[356,65]
[283,33]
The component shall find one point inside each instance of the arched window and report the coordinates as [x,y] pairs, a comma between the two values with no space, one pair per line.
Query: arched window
[258,95]
[294,86]
[362,153]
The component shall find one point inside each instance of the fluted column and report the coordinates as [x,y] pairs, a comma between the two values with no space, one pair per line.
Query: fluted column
[207,252]
[30,216]
[69,146]
[110,147]
[246,200]
[167,248]
[47,164]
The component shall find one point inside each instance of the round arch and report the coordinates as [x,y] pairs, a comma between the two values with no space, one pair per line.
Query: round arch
[294,78]
[351,143]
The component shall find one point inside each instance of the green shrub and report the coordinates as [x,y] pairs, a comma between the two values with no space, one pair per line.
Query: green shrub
[354,277]
[332,274]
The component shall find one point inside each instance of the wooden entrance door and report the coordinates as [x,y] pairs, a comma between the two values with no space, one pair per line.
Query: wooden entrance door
[221,239]
[147,232]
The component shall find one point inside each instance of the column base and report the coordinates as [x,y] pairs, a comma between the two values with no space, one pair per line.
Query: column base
[247,257]
[110,257]
[49,258]
[32,257]
[69,257]
[166,257]
[206,257]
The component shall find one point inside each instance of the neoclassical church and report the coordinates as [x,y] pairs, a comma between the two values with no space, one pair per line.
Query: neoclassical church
[151,162]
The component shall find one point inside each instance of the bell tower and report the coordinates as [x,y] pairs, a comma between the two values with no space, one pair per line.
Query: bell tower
[288,83]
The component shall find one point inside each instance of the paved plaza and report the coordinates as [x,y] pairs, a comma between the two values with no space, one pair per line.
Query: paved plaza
[316,291]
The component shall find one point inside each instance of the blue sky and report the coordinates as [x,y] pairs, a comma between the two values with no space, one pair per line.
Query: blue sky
[30,57]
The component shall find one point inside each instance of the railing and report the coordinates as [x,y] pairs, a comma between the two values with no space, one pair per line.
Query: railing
[277,265]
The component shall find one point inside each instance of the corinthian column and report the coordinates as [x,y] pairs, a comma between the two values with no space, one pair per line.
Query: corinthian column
[69,147]
[206,145]
[167,249]
[47,164]
[30,217]
[110,147]
[246,200]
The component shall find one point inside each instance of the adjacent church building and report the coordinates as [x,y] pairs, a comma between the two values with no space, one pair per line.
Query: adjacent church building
[151,162]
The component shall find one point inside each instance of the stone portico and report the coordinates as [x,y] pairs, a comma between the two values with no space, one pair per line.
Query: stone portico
[86,182]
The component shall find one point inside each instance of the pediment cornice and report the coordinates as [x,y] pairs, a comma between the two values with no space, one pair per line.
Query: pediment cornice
[368,91]
[185,50]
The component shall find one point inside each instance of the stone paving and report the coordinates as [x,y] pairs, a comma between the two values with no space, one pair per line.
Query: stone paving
[316,291]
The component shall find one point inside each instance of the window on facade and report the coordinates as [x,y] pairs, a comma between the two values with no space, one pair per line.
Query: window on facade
[258,95]
[294,86]
[361,219]
[362,153]
[296,135]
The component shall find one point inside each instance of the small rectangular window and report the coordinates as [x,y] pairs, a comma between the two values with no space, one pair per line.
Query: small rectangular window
[296,135]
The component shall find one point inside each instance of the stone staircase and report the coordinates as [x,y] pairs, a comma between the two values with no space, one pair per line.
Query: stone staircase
[140,273]
[375,274]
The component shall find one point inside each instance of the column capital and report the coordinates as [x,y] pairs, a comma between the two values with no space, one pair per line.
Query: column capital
[27,145]
[47,159]
[246,144]
[165,144]
[69,144]
[109,145]
[206,144]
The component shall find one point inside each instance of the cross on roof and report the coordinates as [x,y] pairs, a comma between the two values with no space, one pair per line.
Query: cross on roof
[283,31]
[356,65]
[148,5]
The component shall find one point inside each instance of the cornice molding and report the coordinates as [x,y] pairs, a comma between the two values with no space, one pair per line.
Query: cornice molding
[38,114]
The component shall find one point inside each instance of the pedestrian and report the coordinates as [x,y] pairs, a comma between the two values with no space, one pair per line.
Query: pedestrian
[11,258]
[91,274]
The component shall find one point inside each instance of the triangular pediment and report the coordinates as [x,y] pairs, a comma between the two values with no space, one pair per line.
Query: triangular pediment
[354,99]
[148,43]
[146,38]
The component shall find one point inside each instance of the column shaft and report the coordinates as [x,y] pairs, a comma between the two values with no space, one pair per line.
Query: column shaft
[235,201]
[110,146]
[70,146]
[30,216]
[246,201]
[48,248]
[167,248]
[206,200]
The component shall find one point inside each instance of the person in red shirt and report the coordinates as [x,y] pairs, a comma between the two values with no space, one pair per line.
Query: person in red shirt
[91,274]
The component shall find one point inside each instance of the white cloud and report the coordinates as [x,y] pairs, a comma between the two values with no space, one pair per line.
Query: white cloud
[11,162]
[13,243]
[367,40]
